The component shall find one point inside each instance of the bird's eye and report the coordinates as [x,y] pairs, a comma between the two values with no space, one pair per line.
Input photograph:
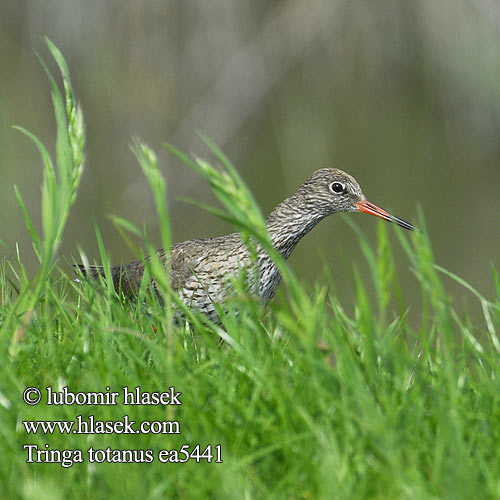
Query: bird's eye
[337,187]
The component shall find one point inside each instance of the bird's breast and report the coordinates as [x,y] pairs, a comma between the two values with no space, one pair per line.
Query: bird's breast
[269,278]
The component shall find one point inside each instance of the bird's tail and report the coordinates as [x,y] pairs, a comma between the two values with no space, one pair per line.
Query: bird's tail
[120,283]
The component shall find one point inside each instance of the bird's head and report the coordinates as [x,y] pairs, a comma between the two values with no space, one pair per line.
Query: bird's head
[330,190]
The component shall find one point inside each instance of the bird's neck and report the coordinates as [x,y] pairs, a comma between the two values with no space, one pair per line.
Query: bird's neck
[289,222]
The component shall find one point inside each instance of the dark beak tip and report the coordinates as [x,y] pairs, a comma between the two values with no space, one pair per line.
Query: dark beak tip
[402,223]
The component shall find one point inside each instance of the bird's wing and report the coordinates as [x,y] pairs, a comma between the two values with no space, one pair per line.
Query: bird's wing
[199,258]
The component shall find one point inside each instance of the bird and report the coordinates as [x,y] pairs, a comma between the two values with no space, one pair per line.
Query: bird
[201,270]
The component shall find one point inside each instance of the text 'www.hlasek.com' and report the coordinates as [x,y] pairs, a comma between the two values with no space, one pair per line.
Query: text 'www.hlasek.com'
[91,424]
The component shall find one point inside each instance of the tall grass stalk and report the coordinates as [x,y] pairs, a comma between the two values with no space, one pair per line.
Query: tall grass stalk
[58,192]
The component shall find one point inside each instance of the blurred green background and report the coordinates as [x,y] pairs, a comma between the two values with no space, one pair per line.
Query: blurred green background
[405,96]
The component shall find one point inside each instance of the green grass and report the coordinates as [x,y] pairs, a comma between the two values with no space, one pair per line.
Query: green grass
[305,400]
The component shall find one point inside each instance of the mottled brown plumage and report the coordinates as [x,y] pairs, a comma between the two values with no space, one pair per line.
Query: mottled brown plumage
[201,269]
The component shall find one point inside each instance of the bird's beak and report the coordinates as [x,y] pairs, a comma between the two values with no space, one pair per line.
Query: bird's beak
[369,208]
